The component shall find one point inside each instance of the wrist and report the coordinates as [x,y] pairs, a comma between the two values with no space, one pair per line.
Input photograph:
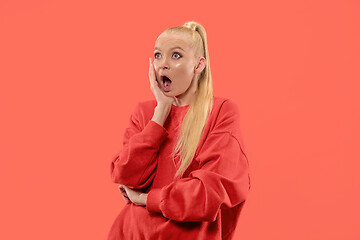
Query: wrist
[143,198]
[162,109]
[161,112]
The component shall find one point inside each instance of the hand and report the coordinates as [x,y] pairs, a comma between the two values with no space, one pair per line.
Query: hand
[124,194]
[129,195]
[161,98]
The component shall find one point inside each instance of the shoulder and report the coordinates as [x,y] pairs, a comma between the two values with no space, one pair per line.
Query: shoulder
[226,118]
[144,106]
[147,105]
[225,115]
[143,111]
[225,105]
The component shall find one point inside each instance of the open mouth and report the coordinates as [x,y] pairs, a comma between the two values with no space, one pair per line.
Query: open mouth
[166,80]
[166,83]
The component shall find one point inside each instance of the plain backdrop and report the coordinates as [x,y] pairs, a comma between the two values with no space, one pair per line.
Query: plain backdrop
[72,71]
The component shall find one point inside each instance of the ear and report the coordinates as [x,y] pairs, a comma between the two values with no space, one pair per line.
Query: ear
[200,66]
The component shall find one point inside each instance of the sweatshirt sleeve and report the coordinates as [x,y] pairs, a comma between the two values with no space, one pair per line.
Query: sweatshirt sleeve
[135,165]
[222,181]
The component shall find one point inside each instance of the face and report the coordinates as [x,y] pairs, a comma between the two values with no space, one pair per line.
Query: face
[174,58]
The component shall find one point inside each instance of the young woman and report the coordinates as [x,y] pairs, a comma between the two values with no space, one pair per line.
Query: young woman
[182,170]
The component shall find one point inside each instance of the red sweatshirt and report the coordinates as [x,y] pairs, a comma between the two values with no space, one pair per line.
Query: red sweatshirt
[206,202]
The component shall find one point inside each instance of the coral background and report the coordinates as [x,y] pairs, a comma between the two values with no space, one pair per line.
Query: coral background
[72,71]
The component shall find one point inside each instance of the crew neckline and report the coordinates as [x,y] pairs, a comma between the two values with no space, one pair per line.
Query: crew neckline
[179,108]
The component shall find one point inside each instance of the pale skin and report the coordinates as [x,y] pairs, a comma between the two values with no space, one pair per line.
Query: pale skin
[188,68]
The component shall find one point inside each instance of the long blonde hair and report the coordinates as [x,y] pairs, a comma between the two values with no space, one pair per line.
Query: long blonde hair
[198,113]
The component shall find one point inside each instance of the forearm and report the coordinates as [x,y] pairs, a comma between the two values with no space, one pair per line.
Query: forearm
[221,181]
[135,164]
[130,195]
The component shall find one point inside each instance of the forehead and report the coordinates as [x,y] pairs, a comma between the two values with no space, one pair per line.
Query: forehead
[167,41]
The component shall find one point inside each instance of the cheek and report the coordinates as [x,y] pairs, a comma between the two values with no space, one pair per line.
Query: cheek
[184,70]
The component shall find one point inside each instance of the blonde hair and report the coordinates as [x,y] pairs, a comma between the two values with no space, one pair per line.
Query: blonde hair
[198,113]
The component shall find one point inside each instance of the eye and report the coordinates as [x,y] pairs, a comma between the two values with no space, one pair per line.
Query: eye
[156,55]
[177,54]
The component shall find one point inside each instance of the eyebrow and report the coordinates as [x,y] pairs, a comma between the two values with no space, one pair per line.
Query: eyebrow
[171,48]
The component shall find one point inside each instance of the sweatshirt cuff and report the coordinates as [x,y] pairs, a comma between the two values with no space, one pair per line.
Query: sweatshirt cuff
[153,200]
[157,133]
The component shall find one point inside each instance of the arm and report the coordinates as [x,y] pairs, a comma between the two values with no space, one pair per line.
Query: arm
[136,197]
[136,163]
[222,180]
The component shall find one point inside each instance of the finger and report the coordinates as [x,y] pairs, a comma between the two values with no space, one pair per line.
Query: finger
[152,75]
[124,188]
[127,200]
[127,190]
[151,67]
[123,192]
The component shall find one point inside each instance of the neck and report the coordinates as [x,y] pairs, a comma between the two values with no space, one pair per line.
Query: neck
[180,102]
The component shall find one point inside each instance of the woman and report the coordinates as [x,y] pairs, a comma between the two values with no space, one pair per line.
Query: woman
[182,171]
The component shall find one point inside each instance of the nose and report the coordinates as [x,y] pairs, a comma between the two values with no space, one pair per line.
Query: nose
[163,63]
